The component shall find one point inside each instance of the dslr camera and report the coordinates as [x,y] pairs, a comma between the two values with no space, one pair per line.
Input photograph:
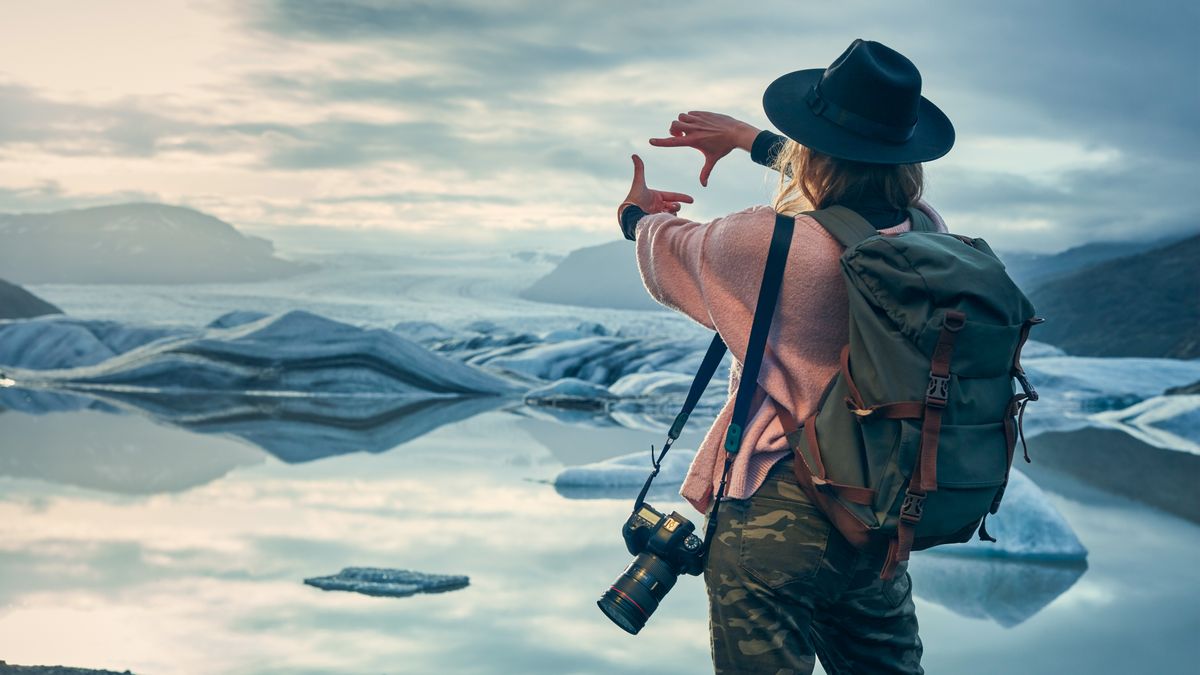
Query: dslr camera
[665,547]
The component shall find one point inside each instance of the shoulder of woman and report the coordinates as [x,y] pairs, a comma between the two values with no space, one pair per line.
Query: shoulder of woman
[747,234]
[933,215]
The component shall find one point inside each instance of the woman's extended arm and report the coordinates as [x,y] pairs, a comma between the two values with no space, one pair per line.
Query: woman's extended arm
[716,135]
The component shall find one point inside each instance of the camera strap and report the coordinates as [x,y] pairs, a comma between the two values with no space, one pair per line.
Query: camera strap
[768,298]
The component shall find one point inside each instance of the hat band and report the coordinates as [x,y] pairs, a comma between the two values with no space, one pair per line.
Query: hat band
[822,107]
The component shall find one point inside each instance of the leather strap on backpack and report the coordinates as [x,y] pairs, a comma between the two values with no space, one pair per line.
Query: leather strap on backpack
[924,475]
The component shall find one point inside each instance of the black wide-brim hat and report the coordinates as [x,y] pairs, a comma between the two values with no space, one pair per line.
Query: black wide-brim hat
[866,106]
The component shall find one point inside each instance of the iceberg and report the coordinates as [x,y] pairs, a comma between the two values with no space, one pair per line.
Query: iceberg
[393,583]
[295,352]
[571,393]
[1027,526]
[623,476]
[57,342]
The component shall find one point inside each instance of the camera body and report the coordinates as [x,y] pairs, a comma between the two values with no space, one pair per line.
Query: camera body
[665,547]
[670,538]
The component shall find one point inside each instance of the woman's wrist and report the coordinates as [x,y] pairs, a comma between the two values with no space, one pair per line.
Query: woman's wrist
[744,136]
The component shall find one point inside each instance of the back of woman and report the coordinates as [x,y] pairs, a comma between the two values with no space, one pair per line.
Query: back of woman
[784,586]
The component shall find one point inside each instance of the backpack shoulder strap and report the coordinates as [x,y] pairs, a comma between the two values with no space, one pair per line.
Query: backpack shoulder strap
[921,222]
[843,224]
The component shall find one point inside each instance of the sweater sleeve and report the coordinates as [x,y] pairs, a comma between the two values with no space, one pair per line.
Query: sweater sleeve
[698,268]
[670,254]
[766,147]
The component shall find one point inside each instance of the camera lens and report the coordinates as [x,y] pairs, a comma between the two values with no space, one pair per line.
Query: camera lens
[635,594]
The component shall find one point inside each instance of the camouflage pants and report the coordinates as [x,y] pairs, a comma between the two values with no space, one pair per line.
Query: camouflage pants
[784,588]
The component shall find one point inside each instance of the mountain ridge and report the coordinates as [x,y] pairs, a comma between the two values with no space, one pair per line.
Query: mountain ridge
[139,242]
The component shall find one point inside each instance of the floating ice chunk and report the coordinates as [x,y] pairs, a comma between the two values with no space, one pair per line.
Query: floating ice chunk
[1171,422]
[571,393]
[585,358]
[380,581]
[627,471]
[654,384]
[1026,526]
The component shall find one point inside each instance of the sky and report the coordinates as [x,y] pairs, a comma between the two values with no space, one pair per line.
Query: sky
[482,122]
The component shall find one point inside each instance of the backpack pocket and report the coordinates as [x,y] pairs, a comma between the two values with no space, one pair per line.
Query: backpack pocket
[972,462]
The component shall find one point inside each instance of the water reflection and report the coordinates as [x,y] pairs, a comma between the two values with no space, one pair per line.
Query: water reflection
[1005,591]
[208,579]
[292,428]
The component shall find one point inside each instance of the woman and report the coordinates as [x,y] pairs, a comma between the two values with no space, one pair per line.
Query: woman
[784,586]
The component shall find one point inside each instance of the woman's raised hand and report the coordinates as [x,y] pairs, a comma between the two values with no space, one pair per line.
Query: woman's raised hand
[713,134]
[652,201]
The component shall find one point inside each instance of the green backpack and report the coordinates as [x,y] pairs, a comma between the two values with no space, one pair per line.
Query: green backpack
[913,437]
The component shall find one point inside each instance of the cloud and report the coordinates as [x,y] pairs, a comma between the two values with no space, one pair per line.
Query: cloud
[50,196]
[337,20]
[1068,114]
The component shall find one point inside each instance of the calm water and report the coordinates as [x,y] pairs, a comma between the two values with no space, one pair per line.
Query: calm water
[126,543]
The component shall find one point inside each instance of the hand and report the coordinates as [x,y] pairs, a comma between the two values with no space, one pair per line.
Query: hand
[652,201]
[713,134]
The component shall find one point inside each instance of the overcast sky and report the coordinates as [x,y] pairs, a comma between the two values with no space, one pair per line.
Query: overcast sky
[1076,120]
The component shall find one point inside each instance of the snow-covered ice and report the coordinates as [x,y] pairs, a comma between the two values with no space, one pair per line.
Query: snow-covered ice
[295,352]
[621,477]
[1171,422]
[570,392]
[628,471]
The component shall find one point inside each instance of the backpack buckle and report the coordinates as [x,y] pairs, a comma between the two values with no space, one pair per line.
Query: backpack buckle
[913,507]
[938,391]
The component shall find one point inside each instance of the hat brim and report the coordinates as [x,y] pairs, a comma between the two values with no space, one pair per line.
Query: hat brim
[785,107]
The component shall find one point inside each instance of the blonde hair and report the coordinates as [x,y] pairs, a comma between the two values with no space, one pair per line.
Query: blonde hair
[813,180]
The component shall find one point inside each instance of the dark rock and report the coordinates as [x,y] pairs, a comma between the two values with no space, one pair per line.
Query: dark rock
[1118,463]
[7,669]
[18,303]
[1193,388]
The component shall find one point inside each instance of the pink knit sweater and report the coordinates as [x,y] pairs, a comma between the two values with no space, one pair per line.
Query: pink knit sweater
[712,272]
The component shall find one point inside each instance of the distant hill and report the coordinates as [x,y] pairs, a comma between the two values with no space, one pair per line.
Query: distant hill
[18,303]
[133,243]
[1146,304]
[1030,270]
[596,276]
